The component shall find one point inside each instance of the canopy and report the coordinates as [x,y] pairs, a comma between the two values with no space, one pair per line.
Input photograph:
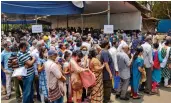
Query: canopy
[40,7]
[26,22]
[164,26]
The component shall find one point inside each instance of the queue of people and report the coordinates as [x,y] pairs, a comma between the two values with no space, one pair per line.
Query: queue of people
[67,67]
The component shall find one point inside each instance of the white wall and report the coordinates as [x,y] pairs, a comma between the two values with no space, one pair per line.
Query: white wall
[125,21]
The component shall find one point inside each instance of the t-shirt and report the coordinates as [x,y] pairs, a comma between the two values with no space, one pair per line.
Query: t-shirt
[13,58]
[5,55]
[106,57]
[23,58]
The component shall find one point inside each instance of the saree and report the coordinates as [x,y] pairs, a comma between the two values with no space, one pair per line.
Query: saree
[96,92]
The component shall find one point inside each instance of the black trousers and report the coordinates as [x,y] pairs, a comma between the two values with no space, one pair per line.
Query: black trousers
[107,90]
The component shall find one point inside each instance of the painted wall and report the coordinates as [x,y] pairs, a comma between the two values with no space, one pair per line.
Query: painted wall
[125,21]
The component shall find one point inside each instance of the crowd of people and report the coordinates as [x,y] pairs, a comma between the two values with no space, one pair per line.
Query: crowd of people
[65,66]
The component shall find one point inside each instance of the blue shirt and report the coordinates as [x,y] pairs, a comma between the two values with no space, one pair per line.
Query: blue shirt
[106,57]
[5,55]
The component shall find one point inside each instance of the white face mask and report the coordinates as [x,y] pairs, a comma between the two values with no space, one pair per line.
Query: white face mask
[74,38]
[84,52]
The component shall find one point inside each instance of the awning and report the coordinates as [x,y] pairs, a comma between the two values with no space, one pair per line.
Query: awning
[26,22]
[164,26]
[40,7]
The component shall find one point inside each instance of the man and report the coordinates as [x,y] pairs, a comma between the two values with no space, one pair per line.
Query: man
[85,43]
[113,53]
[124,35]
[124,73]
[25,60]
[108,70]
[35,54]
[121,43]
[148,63]
[5,55]
[12,63]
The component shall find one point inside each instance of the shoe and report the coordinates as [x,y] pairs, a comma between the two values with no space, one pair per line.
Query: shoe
[150,93]
[126,98]
[117,96]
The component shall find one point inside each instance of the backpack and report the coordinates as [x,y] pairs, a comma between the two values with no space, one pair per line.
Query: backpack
[156,61]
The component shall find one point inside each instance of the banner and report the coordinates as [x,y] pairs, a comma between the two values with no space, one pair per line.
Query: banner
[108,29]
[37,29]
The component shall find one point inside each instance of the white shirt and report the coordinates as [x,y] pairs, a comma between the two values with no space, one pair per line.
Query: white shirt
[113,53]
[122,43]
[147,55]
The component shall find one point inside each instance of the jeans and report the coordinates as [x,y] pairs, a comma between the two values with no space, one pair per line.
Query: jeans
[28,90]
[60,100]
[18,84]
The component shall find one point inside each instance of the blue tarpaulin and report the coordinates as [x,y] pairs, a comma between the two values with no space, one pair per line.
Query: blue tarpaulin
[26,22]
[164,26]
[40,7]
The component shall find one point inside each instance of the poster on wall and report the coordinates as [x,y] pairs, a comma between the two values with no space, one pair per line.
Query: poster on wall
[108,29]
[37,28]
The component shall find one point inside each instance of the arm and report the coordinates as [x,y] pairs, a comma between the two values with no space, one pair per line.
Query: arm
[77,68]
[108,69]
[151,56]
[30,62]
[160,56]
[40,67]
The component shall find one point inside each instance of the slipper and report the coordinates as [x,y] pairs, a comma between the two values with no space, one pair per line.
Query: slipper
[168,86]
[6,98]
[137,97]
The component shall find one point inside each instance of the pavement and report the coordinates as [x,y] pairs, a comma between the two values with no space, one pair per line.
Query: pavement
[164,96]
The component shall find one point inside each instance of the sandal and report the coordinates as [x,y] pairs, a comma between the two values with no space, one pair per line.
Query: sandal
[168,86]
[4,93]
[137,97]
[6,98]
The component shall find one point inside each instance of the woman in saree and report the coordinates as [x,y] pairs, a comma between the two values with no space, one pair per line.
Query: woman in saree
[75,70]
[137,67]
[96,92]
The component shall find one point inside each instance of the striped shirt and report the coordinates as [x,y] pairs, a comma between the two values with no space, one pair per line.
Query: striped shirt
[23,58]
[10,61]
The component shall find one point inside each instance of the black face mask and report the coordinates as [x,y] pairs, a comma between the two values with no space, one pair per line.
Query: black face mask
[79,60]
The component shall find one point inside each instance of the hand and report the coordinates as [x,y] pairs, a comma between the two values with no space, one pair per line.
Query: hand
[19,78]
[102,66]
[111,76]
[116,73]
[14,61]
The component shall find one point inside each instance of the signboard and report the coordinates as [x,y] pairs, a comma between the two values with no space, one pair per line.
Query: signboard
[108,29]
[37,28]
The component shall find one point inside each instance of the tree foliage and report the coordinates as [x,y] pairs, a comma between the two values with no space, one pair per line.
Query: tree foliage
[160,9]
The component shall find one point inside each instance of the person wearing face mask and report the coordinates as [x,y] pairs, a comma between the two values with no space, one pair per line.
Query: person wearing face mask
[42,75]
[13,63]
[55,78]
[108,70]
[67,57]
[75,70]
[5,55]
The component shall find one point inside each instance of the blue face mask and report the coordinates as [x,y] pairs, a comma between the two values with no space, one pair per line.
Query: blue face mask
[14,53]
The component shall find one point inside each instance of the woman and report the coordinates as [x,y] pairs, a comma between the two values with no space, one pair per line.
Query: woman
[55,79]
[137,66]
[42,76]
[75,70]
[156,73]
[166,53]
[67,57]
[84,64]
[96,92]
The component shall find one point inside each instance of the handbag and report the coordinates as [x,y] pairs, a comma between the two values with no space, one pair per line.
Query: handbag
[88,78]
[56,93]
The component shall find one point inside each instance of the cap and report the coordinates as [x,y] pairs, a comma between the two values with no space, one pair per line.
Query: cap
[52,52]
